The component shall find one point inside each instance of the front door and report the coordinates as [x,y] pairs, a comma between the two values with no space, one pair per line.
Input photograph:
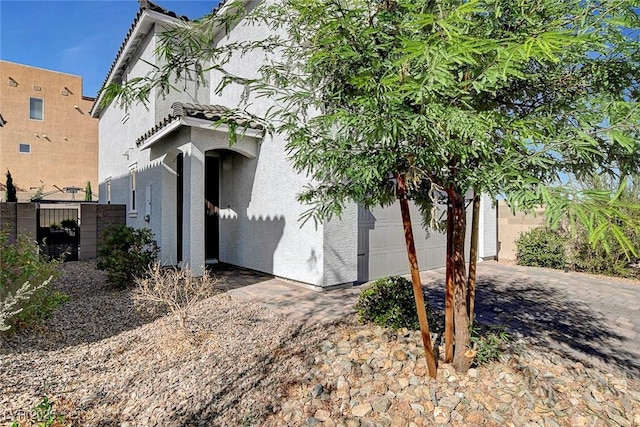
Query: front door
[211,201]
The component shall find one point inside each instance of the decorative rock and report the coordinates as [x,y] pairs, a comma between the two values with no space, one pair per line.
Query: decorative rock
[400,355]
[475,418]
[317,390]
[441,415]
[361,410]
[342,388]
[417,407]
[322,415]
[449,402]
[381,405]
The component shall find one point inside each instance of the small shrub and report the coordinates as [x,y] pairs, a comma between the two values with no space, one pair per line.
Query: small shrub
[25,294]
[44,415]
[125,253]
[541,247]
[172,289]
[489,342]
[614,262]
[389,302]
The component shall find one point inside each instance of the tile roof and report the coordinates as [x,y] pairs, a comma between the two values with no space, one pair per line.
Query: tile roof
[212,113]
[145,5]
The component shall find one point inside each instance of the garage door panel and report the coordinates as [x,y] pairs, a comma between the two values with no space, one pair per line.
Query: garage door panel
[381,243]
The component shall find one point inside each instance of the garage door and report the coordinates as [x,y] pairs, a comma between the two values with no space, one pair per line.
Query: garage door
[381,245]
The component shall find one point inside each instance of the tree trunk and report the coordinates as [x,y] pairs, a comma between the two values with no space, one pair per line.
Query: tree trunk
[473,258]
[462,357]
[448,290]
[415,277]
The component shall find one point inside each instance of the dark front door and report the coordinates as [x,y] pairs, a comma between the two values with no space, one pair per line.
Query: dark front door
[211,201]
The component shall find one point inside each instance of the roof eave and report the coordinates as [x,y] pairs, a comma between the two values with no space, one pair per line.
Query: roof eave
[145,24]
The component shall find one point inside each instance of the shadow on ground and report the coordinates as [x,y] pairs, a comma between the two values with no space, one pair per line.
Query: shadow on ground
[546,317]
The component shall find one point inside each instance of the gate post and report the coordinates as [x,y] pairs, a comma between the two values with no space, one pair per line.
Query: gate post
[88,231]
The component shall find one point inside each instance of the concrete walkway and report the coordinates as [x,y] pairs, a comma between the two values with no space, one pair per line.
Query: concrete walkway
[593,319]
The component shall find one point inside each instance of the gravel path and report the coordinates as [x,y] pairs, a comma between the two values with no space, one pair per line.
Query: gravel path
[244,365]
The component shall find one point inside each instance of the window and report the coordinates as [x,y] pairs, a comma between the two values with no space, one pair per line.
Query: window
[36,109]
[25,148]
[132,197]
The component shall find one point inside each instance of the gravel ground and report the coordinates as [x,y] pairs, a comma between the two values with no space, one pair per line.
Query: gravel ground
[104,365]
[242,365]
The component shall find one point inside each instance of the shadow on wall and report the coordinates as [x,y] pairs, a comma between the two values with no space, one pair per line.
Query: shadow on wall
[545,316]
[261,234]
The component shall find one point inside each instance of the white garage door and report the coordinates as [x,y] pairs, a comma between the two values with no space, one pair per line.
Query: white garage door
[381,245]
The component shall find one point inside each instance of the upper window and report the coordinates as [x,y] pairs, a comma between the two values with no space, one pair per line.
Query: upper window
[36,108]
[25,148]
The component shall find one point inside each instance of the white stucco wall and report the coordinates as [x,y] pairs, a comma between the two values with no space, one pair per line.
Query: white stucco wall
[262,194]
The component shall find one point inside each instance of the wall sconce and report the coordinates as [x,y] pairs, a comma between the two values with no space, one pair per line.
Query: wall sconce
[76,107]
[37,136]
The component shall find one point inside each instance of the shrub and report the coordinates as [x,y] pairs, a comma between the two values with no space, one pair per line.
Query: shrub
[489,342]
[126,252]
[541,247]
[614,262]
[25,294]
[172,289]
[389,302]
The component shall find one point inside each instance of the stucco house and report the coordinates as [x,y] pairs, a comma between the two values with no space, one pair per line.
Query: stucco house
[208,201]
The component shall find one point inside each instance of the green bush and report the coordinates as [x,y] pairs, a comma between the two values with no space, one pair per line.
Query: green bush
[25,294]
[541,247]
[489,342]
[614,262]
[126,253]
[389,302]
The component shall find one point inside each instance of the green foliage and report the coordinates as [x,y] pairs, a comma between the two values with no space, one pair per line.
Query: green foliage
[390,303]
[88,194]
[541,247]
[25,294]
[125,253]
[69,223]
[10,195]
[607,255]
[489,342]
[44,415]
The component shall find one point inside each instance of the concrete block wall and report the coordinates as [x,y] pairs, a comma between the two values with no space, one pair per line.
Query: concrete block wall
[8,220]
[510,226]
[107,215]
[21,218]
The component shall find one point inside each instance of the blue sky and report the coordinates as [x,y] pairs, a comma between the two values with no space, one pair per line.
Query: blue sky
[75,37]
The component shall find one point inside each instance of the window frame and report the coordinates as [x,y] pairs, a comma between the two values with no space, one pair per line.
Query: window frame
[22,144]
[32,98]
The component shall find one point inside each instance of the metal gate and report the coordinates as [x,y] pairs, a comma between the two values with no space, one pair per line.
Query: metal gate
[59,232]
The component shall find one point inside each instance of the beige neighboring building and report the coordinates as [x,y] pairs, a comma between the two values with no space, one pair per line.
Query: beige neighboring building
[48,139]
[511,226]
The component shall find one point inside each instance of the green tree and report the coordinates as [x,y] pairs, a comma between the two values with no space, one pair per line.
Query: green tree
[88,194]
[430,99]
[11,189]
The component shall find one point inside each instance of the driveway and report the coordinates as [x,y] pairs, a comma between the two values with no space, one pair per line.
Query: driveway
[591,318]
